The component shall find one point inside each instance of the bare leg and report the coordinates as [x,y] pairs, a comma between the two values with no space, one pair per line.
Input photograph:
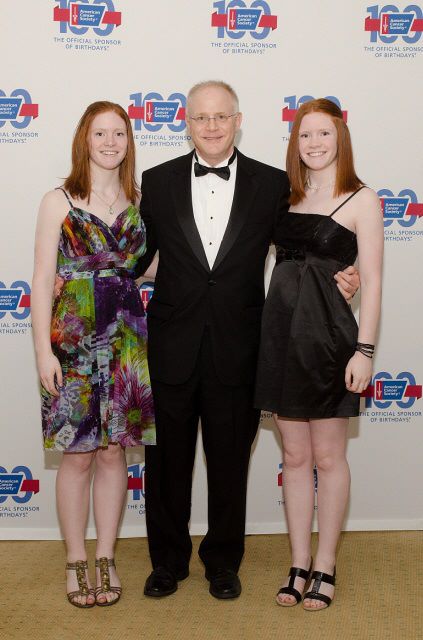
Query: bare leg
[73,496]
[298,488]
[110,486]
[329,440]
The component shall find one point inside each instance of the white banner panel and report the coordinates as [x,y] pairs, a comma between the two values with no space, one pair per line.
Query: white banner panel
[63,55]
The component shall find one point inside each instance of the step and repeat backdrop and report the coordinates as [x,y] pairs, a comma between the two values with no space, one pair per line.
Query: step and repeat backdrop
[62,55]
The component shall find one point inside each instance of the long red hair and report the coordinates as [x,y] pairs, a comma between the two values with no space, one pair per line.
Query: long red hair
[78,183]
[346,177]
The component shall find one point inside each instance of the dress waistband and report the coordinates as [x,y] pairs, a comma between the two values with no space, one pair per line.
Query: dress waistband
[283,254]
[68,274]
[301,256]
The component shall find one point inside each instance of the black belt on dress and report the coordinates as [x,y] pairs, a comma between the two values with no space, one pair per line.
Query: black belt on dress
[284,254]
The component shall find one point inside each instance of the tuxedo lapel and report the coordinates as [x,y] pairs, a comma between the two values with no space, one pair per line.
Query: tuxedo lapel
[182,197]
[245,190]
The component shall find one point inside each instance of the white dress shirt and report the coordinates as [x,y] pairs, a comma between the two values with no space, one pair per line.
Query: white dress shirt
[212,202]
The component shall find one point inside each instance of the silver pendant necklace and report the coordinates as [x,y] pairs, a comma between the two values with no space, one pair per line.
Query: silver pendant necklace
[318,187]
[111,205]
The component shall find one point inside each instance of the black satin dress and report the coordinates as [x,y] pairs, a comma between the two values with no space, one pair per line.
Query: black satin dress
[309,332]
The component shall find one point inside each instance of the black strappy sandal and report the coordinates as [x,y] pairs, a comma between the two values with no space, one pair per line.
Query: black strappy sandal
[319,577]
[294,572]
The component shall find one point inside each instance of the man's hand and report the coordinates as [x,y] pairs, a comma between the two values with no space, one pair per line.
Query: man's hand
[348,282]
[58,285]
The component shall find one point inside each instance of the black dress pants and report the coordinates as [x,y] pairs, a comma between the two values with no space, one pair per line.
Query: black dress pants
[229,425]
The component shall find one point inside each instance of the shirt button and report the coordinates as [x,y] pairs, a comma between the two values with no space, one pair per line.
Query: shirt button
[211,217]
[212,191]
[210,242]
[211,283]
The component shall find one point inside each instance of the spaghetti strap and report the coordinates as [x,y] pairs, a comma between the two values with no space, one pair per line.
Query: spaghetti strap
[345,201]
[67,197]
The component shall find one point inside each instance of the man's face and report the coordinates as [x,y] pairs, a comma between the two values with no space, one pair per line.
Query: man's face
[213,140]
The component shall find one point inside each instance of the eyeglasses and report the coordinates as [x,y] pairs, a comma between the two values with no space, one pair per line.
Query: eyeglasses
[220,118]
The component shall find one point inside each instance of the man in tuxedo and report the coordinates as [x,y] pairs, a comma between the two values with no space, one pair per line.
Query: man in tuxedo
[210,214]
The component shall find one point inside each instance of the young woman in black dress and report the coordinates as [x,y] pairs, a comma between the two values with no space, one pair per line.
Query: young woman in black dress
[314,361]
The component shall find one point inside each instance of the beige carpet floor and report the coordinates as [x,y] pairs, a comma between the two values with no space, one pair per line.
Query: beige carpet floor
[379,595]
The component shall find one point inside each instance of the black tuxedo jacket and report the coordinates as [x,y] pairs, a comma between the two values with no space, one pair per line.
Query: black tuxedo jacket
[188,295]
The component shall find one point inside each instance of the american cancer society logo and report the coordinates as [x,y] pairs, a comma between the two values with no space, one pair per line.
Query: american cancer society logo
[293,103]
[401,215]
[242,28]
[87,25]
[394,32]
[146,292]
[17,488]
[392,399]
[158,121]
[17,112]
[15,308]
[136,488]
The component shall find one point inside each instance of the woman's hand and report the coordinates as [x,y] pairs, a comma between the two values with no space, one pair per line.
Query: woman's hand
[50,373]
[358,373]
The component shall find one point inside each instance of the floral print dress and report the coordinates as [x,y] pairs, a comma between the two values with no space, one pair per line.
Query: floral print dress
[99,334]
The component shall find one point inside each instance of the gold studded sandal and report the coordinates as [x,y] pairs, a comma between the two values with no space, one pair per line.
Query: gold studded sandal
[103,564]
[80,567]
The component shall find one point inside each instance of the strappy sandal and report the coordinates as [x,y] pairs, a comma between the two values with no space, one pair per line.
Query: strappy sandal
[80,567]
[103,564]
[319,577]
[294,572]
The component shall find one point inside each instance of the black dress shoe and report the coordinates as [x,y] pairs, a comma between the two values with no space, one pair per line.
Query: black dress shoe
[161,582]
[224,584]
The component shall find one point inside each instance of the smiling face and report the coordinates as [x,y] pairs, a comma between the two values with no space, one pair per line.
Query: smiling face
[318,141]
[213,140]
[107,140]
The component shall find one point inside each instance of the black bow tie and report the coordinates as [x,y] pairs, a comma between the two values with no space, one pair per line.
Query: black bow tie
[222,172]
[201,170]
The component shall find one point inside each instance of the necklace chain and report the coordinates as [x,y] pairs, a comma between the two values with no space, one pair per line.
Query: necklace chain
[316,187]
[109,205]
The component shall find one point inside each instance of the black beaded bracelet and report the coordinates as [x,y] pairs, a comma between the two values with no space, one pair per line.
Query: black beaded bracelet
[366,349]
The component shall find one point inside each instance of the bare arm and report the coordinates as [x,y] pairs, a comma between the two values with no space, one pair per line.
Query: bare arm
[50,217]
[152,269]
[369,229]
